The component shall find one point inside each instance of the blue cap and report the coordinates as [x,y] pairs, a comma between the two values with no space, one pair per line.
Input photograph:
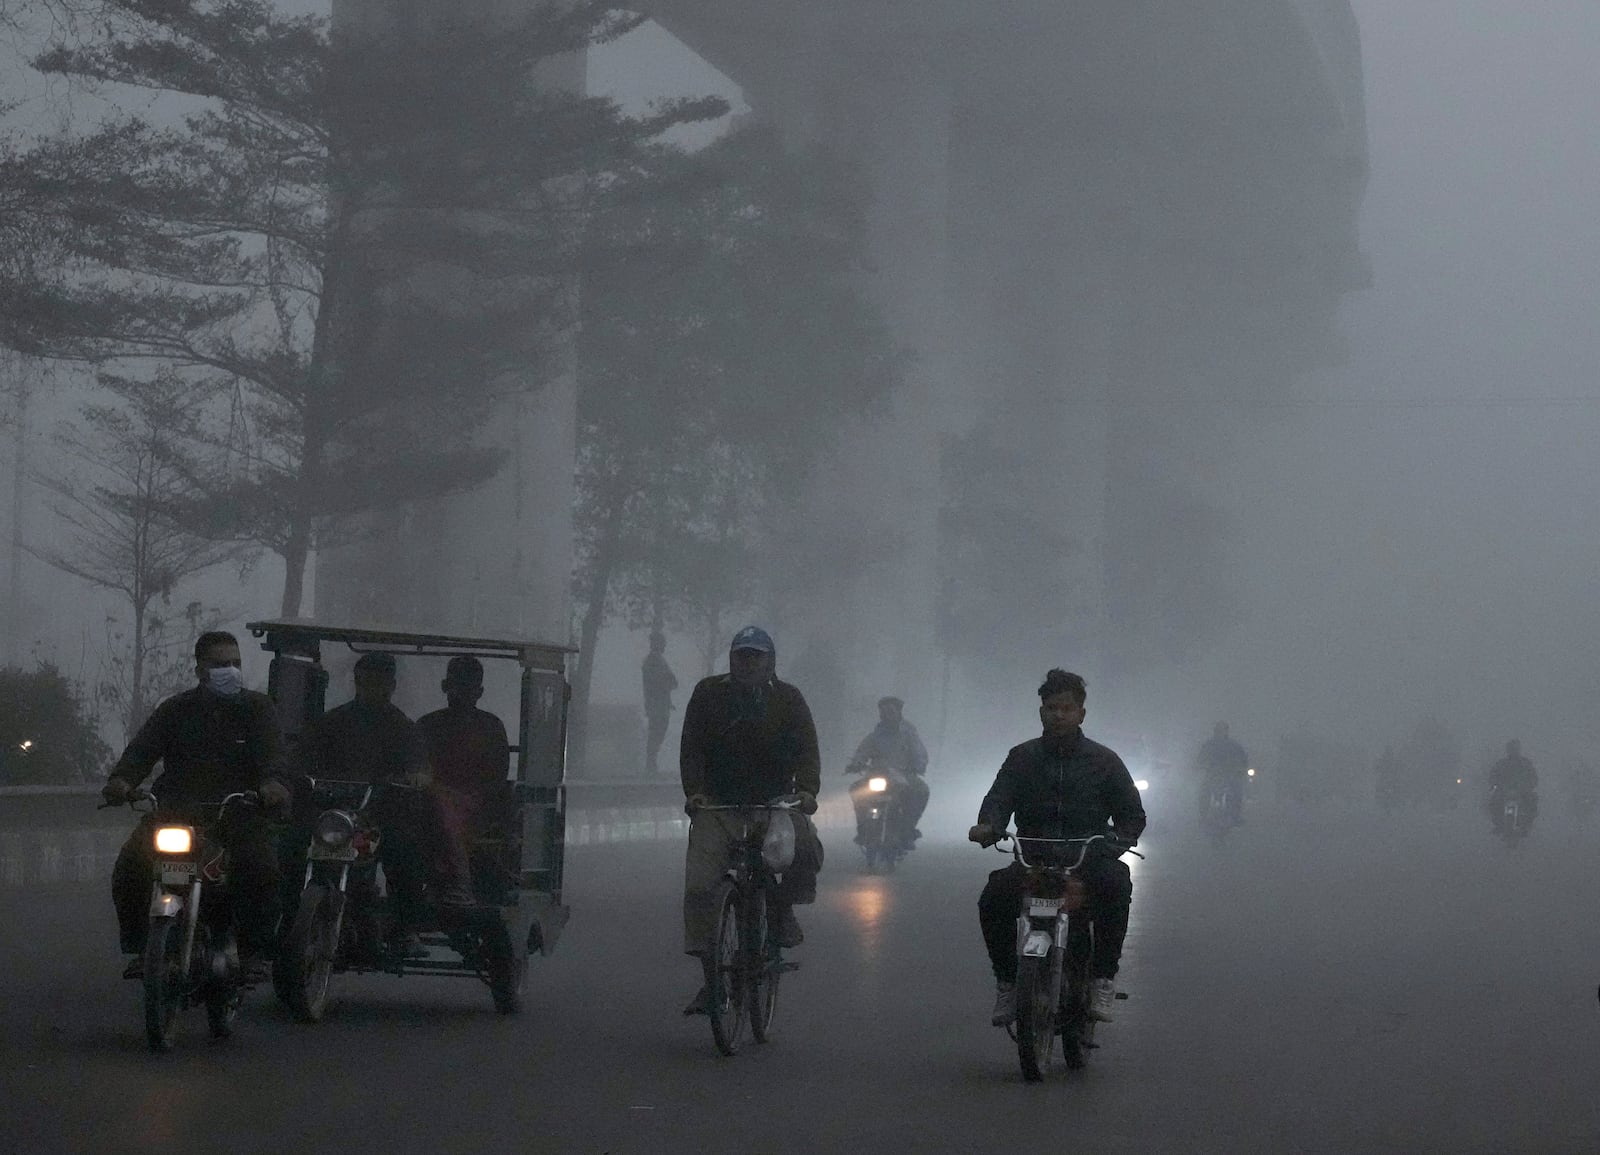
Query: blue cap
[753,638]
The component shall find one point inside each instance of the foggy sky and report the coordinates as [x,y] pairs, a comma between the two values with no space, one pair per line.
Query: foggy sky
[1416,528]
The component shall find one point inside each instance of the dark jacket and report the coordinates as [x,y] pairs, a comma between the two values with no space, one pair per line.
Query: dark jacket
[208,746]
[361,743]
[747,745]
[468,750]
[1514,775]
[1222,756]
[659,682]
[1068,787]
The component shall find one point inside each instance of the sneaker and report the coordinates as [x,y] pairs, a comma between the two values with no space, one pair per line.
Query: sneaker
[787,933]
[253,969]
[135,968]
[457,896]
[701,1003]
[1102,997]
[1005,1004]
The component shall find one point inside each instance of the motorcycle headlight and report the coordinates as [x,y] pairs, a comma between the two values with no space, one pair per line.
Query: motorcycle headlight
[877,785]
[1141,785]
[335,828]
[174,840]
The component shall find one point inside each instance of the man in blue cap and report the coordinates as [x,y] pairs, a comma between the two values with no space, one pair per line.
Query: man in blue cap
[747,739]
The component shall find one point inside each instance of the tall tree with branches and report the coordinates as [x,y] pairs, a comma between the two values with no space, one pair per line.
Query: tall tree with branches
[359,237]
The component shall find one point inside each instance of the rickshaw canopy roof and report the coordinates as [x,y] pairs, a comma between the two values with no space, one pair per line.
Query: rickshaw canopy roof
[289,633]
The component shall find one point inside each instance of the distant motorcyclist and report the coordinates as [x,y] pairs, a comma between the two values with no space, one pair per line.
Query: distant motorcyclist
[1513,777]
[214,740]
[894,746]
[1061,785]
[1223,762]
[747,739]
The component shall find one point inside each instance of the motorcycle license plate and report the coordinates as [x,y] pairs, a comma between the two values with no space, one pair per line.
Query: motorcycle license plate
[176,871]
[325,854]
[1043,907]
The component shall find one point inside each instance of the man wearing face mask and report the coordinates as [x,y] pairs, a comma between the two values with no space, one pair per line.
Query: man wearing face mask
[1060,785]
[212,741]
[748,738]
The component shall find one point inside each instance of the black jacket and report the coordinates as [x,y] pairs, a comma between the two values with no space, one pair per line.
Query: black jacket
[747,745]
[1068,787]
[363,743]
[208,746]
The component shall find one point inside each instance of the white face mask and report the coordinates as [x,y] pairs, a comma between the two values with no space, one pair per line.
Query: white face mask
[225,681]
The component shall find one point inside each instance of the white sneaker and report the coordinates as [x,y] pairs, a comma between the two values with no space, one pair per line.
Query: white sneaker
[1102,996]
[1005,1004]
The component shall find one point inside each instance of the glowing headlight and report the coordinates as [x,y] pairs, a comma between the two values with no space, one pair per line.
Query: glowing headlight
[335,828]
[1142,784]
[877,785]
[174,840]
[1251,772]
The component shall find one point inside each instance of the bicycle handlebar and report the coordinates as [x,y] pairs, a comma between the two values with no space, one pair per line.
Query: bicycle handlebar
[1120,845]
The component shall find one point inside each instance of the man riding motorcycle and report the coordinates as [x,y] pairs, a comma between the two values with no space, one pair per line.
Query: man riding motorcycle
[1513,777]
[369,739]
[1060,785]
[214,740]
[748,738]
[1223,762]
[894,746]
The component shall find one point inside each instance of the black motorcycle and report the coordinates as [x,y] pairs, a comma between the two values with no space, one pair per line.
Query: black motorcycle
[342,922]
[1512,813]
[879,800]
[191,953]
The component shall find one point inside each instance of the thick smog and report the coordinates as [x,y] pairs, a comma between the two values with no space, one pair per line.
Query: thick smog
[774,577]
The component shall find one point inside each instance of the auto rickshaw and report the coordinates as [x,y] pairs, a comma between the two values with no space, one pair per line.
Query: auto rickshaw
[516,863]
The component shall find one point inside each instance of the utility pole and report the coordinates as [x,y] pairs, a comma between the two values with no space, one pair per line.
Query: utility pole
[19,479]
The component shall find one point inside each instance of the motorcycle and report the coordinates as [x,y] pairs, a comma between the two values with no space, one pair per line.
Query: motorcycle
[1055,945]
[191,947]
[1512,812]
[1217,807]
[343,923]
[878,801]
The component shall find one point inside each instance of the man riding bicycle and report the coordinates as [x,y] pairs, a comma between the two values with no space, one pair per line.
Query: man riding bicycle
[1060,785]
[748,738]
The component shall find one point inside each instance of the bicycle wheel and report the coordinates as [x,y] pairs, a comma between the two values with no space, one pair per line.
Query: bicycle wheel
[727,1001]
[163,982]
[1036,1018]
[765,958]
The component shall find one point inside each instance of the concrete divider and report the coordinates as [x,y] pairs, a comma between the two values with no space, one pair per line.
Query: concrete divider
[55,835]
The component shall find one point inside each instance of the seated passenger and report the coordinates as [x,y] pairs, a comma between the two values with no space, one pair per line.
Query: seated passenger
[468,750]
[369,739]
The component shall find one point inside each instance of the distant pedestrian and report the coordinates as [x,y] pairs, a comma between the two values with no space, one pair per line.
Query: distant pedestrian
[659,682]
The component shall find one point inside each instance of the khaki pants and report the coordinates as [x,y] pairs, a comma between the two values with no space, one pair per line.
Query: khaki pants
[711,835]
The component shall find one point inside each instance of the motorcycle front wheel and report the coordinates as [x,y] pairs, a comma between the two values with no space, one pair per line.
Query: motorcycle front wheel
[1036,1018]
[307,954]
[728,1001]
[164,982]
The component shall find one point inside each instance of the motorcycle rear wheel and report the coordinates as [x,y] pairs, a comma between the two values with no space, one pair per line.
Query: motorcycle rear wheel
[1036,1018]
[163,982]
[727,1001]
[507,967]
[764,959]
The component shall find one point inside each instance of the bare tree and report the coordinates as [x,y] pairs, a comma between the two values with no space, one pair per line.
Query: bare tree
[127,471]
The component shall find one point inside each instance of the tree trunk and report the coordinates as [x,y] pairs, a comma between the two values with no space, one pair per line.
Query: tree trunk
[594,615]
[135,717]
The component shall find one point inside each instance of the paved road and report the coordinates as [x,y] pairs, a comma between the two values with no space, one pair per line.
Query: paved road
[1293,991]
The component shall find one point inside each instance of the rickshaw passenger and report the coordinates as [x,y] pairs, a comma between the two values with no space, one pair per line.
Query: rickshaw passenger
[371,739]
[469,752]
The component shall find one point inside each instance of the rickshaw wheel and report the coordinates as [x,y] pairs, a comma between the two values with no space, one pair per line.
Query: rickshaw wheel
[508,969]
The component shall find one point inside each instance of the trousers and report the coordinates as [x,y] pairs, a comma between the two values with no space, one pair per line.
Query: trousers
[712,834]
[1110,894]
